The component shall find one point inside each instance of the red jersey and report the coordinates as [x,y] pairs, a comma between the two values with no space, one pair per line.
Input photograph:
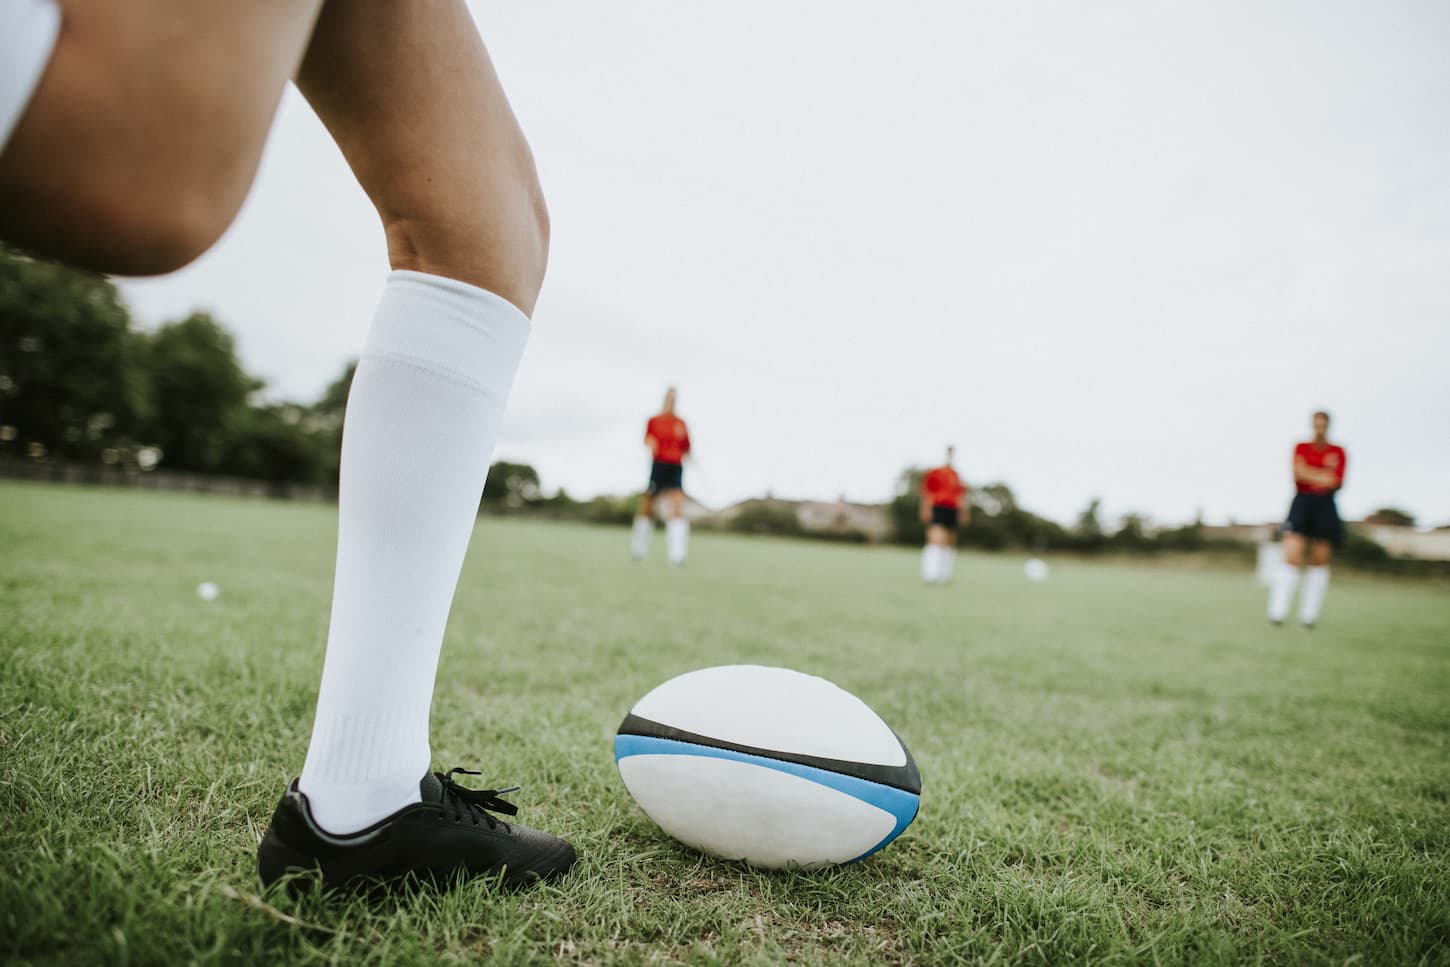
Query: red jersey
[943,488]
[672,440]
[1328,457]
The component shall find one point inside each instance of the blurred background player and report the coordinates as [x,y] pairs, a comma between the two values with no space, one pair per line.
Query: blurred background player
[668,440]
[943,510]
[1313,520]
[130,133]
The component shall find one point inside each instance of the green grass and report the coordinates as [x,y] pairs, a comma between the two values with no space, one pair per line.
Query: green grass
[1125,764]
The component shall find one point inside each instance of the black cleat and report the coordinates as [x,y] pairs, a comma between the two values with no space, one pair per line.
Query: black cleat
[450,834]
[1276,622]
[1307,625]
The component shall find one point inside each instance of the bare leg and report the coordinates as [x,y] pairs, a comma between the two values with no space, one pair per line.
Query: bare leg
[145,132]
[1319,552]
[1294,549]
[677,504]
[410,96]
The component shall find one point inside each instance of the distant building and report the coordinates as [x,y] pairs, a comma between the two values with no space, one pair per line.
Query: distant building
[1400,541]
[1245,533]
[1427,545]
[842,516]
[834,517]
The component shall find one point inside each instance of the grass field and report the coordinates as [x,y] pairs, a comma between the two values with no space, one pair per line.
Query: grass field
[1124,764]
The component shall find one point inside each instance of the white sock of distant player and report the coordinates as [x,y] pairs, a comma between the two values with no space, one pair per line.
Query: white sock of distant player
[421,422]
[934,564]
[1311,599]
[1281,592]
[677,539]
[644,528]
[948,564]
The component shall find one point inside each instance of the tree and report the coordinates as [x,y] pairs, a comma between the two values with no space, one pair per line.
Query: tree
[201,394]
[273,444]
[767,517]
[1391,516]
[323,422]
[511,484]
[1189,537]
[68,381]
[1132,534]
[1088,531]
[905,508]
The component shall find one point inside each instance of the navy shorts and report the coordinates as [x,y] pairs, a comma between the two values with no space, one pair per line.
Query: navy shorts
[665,476]
[948,517]
[1314,516]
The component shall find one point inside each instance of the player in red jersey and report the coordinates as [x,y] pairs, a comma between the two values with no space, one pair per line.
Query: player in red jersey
[668,440]
[1314,521]
[944,508]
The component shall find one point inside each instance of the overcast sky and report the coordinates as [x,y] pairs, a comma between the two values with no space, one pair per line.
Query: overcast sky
[1118,250]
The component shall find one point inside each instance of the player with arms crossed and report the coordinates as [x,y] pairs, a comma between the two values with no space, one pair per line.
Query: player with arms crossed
[668,440]
[130,133]
[1313,520]
[944,508]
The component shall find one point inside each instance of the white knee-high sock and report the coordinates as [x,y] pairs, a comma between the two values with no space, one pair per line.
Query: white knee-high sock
[644,528]
[421,422]
[1316,586]
[930,566]
[948,564]
[677,539]
[1281,592]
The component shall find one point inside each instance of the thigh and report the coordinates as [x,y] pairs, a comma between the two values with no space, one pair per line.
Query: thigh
[143,136]
[1319,553]
[409,94]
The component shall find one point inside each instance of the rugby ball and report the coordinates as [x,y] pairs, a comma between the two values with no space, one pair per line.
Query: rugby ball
[767,765]
[1035,569]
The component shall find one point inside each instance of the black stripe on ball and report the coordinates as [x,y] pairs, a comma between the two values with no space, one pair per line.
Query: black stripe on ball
[905,777]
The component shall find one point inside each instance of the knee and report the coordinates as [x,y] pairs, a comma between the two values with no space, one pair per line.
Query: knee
[146,225]
[501,246]
[152,233]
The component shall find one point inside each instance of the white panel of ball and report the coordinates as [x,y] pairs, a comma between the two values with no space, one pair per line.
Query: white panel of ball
[774,708]
[739,811]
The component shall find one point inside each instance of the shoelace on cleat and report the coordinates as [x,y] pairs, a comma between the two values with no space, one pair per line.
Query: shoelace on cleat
[464,803]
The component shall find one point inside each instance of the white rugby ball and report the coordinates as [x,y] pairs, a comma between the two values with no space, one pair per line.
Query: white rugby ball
[1035,569]
[767,765]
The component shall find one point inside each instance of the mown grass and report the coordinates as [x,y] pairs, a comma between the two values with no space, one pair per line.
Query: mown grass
[1124,764]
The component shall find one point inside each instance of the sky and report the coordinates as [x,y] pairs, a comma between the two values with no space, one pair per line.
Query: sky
[1110,250]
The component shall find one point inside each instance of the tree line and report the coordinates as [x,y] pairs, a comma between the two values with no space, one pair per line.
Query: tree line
[79,382]
[998,522]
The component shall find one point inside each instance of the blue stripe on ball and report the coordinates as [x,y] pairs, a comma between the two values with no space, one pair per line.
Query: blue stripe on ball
[901,804]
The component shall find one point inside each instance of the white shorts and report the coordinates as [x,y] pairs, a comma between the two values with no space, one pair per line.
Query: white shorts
[28,29]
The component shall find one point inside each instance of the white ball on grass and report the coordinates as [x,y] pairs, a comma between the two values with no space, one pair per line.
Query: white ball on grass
[767,765]
[207,591]
[1035,569]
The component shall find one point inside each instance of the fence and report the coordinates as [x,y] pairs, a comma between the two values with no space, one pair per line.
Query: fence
[61,471]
